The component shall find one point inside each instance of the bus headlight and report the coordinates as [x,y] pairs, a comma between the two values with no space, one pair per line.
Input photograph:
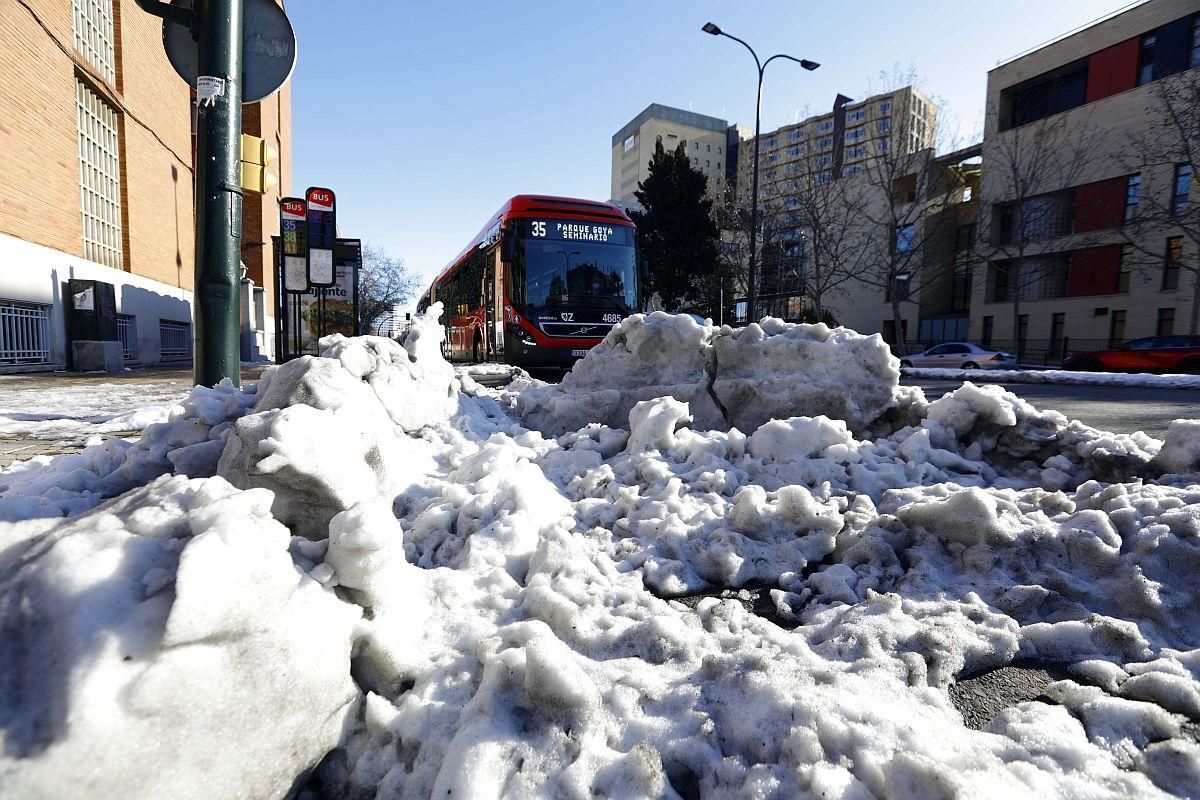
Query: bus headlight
[521,335]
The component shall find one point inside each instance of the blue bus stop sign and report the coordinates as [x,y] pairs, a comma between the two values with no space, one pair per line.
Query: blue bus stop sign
[268,49]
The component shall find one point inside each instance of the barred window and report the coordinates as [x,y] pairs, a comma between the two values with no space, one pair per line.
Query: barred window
[92,22]
[99,178]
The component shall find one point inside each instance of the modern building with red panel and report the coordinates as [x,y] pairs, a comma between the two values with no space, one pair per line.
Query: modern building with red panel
[1088,196]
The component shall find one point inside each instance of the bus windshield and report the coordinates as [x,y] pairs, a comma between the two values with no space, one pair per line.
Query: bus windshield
[564,262]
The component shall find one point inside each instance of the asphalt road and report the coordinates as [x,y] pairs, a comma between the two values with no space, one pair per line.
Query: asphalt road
[1117,409]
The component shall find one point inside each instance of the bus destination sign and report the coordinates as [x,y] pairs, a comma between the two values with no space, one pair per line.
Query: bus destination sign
[569,230]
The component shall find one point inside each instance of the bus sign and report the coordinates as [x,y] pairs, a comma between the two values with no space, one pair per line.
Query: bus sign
[321,230]
[294,240]
[570,230]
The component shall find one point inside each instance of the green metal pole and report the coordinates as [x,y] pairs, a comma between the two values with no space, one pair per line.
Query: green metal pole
[218,193]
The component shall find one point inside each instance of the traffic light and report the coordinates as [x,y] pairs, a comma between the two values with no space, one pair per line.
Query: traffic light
[257,155]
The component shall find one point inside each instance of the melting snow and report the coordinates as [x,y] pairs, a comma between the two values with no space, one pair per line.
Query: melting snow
[371,568]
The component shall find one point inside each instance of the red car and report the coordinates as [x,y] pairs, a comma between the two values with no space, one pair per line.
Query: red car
[1152,354]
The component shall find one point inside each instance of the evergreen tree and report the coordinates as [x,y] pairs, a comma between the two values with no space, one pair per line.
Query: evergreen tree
[676,231]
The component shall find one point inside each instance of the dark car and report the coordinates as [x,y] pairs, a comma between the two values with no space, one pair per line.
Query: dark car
[1152,354]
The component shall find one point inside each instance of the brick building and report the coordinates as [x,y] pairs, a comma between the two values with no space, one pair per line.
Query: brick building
[1087,232]
[96,166]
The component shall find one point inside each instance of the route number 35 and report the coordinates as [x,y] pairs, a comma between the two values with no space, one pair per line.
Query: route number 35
[539,229]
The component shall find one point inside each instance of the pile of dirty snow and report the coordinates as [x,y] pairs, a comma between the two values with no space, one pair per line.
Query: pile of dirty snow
[688,572]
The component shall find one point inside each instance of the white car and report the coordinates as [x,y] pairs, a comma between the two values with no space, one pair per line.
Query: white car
[960,355]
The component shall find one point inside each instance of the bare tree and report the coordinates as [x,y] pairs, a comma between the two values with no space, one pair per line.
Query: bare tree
[903,215]
[808,230]
[1169,142]
[383,283]
[1026,170]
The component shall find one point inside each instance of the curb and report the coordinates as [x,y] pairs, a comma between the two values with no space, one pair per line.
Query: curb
[1058,376]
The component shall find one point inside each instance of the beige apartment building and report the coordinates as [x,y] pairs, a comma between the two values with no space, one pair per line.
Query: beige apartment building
[1088,210]
[96,165]
[861,143]
[710,146]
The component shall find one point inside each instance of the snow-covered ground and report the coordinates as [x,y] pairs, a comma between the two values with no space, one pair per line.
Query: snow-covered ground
[369,576]
[1070,377]
[59,409]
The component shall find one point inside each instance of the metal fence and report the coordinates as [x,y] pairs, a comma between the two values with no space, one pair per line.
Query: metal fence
[175,340]
[127,333]
[24,333]
[1035,352]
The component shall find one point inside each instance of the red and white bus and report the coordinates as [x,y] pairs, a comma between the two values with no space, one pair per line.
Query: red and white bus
[541,284]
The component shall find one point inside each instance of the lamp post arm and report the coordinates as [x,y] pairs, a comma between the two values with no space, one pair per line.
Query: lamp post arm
[757,63]
[782,55]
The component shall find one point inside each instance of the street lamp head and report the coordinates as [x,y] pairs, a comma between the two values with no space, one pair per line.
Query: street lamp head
[808,65]
[713,28]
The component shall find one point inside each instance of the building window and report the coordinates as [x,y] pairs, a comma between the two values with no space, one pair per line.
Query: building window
[905,238]
[772,142]
[718,165]
[1183,184]
[99,178]
[1023,329]
[1116,328]
[1133,191]
[885,106]
[825,143]
[695,161]
[92,23]
[707,163]
[855,135]
[1172,263]
[708,148]
[1124,268]
[718,149]
[1166,322]
[174,339]
[857,116]
[1146,60]
[796,135]
[885,125]
[989,325]
[1194,61]
[630,142]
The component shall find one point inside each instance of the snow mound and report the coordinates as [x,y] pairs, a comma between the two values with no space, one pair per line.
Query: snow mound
[189,443]
[166,630]
[331,431]
[728,378]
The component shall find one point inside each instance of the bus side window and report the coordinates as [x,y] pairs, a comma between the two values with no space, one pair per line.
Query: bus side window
[514,274]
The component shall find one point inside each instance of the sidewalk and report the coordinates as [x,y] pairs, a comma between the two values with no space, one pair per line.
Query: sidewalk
[50,413]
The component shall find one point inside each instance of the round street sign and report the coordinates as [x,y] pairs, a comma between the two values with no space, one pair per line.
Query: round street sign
[268,49]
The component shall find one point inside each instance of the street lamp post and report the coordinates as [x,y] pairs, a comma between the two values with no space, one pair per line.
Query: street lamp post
[711,28]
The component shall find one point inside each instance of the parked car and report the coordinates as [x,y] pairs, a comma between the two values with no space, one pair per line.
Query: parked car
[1152,354]
[960,355]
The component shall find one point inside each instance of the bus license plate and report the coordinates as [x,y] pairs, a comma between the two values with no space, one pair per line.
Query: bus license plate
[579,353]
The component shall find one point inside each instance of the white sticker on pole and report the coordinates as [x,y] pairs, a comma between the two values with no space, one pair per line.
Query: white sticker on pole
[208,89]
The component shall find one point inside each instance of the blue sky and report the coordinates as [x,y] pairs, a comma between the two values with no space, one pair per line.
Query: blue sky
[424,117]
